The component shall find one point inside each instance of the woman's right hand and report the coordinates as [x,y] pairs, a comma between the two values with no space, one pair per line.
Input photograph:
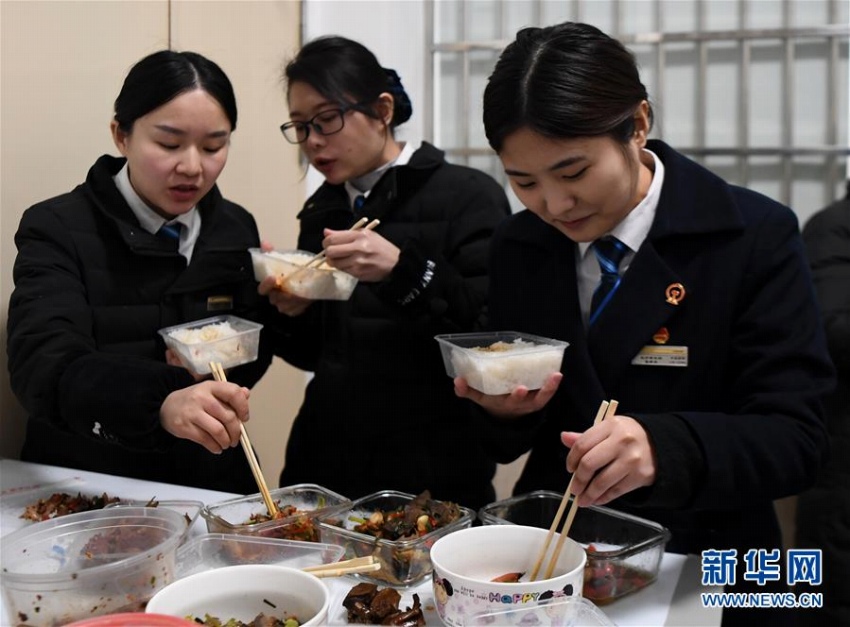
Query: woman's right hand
[209,413]
[520,402]
[286,303]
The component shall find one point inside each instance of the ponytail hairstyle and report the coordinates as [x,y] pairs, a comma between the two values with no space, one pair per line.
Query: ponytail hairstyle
[565,81]
[160,77]
[347,73]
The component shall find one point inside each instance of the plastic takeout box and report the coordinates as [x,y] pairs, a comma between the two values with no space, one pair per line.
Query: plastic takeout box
[623,551]
[229,340]
[316,283]
[496,363]
[404,563]
[215,550]
[570,612]
[88,564]
[309,500]
[189,510]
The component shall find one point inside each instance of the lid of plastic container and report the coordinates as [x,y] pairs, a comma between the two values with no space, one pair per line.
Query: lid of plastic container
[566,612]
[133,620]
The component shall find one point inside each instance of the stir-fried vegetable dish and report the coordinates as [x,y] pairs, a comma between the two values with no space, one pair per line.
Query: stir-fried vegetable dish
[418,517]
[607,580]
[62,503]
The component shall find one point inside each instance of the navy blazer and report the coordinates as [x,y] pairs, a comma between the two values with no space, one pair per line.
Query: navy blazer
[742,424]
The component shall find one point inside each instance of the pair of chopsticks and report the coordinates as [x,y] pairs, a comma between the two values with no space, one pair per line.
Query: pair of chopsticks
[606,410]
[218,375]
[366,564]
[318,259]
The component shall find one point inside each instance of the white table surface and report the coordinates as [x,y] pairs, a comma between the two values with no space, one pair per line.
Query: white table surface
[673,600]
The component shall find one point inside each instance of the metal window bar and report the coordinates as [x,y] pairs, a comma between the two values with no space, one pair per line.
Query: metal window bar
[701,37]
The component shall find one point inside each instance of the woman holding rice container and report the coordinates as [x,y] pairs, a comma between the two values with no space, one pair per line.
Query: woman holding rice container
[633,253]
[146,242]
[375,415]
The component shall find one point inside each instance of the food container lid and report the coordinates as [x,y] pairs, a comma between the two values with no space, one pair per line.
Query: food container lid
[571,612]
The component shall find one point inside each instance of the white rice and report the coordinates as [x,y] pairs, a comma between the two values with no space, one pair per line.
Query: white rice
[501,367]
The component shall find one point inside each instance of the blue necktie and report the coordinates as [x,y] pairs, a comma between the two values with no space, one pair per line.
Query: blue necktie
[358,205]
[609,252]
[171,233]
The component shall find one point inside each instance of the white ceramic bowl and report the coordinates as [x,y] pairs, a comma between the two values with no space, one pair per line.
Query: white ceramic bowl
[243,592]
[466,561]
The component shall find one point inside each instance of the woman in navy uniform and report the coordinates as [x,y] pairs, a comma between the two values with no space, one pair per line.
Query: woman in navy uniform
[379,414]
[684,298]
[146,242]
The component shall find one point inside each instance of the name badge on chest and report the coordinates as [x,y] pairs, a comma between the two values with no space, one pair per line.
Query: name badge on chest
[675,356]
[219,303]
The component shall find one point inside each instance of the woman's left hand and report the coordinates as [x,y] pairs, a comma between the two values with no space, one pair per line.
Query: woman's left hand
[363,254]
[609,459]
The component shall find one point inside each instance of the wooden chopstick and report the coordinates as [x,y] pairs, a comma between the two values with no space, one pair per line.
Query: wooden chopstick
[612,408]
[218,375]
[600,414]
[349,567]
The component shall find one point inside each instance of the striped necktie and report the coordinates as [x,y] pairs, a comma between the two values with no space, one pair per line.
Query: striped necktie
[171,233]
[358,205]
[609,252]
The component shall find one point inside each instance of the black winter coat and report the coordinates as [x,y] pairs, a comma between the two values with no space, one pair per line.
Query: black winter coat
[91,290]
[823,513]
[381,412]
[742,423]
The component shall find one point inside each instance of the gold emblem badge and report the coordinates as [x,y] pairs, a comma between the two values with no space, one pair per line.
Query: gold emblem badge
[675,293]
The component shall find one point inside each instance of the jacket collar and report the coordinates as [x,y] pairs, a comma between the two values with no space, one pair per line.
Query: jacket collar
[109,202]
[397,184]
[693,202]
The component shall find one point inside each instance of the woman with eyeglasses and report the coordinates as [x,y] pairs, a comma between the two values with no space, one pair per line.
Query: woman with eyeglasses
[684,298]
[146,242]
[380,412]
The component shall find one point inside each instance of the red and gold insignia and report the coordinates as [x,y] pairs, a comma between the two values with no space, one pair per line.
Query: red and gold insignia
[661,336]
[675,293]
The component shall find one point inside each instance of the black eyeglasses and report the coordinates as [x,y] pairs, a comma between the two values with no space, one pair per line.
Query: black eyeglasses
[327,122]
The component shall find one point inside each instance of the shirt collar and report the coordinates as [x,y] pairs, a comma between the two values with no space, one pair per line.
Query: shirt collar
[149,219]
[362,185]
[634,228]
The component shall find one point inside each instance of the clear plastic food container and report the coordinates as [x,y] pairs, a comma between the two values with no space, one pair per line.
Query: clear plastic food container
[229,340]
[316,283]
[496,363]
[88,564]
[189,510]
[215,550]
[306,499]
[623,551]
[404,563]
[571,612]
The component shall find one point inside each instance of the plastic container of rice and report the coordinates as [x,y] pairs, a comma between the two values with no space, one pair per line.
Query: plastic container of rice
[499,362]
[229,340]
[316,283]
